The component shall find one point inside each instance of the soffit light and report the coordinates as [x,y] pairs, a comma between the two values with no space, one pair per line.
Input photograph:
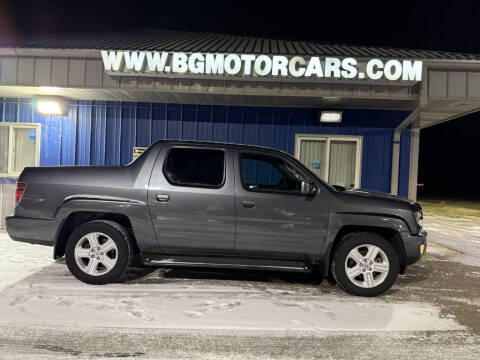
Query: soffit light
[331,116]
[50,106]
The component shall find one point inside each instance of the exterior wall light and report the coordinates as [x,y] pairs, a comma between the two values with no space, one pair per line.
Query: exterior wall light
[331,116]
[50,107]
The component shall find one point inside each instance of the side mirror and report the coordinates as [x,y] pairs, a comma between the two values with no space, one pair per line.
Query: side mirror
[308,188]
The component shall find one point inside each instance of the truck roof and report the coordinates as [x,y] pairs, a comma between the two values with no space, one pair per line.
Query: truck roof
[215,143]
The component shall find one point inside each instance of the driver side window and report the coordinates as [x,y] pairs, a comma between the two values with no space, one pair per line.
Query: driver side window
[269,173]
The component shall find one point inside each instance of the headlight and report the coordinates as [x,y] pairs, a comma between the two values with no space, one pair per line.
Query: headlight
[419,218]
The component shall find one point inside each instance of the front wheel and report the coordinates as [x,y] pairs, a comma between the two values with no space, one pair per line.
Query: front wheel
[98,252]
[365,264]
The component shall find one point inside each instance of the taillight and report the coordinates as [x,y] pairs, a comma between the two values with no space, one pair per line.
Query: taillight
[19,192]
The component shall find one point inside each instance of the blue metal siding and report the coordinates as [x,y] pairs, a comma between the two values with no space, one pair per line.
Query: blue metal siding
[113,134]
[84,133]
[189,126]
[144,125]
[24,112]
[128,131]
[104,133]
[159,123]
[11,113]
[99,124]
[69,137]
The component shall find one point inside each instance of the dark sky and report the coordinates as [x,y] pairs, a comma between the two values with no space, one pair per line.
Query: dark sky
[451,25]
[449,158]
[447,151]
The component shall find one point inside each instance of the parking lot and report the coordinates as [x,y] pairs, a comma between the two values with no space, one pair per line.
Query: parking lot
[433,311]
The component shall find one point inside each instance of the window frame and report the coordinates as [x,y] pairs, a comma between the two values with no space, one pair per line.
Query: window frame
[201,186]
[328,138]
[284,158]
[11,126]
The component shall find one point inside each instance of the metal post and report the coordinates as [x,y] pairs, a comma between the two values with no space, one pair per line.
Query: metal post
[395,167]
[414,116]
[414,150]
[414,119]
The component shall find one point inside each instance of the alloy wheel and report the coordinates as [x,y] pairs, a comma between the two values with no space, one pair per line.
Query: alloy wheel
[367,266]
[96,254]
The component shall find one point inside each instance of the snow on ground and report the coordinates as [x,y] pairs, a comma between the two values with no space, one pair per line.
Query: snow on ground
[43,292]
[53,296]
[20,260]
[199,314]
[460,235]
[454,226]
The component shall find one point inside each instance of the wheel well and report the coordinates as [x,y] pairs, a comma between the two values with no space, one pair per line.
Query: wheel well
[76,219]
[390,235]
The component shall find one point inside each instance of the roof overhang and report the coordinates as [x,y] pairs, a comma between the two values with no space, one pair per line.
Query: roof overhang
[273,98]
[449,88]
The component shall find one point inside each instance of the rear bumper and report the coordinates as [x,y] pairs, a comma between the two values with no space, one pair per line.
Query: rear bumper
[33,231]
[415,247]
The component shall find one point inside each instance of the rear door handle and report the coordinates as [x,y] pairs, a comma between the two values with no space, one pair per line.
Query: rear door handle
[162,197]
[248,204]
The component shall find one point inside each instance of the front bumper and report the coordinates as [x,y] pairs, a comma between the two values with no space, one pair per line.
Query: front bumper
[33,231]
[415,247]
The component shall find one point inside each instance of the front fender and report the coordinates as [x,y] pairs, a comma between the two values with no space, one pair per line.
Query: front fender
[340,220]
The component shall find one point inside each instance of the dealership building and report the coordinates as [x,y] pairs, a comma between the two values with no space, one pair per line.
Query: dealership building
[351,114]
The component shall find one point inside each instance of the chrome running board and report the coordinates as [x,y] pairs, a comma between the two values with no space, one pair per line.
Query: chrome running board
[220,263]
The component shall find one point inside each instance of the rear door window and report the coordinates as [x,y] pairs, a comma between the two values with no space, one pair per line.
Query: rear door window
[195,167]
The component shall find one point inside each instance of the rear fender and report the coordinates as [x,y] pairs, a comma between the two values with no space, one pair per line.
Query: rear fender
[136,211]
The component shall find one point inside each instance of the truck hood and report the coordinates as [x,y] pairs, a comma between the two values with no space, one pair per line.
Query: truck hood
[380,195]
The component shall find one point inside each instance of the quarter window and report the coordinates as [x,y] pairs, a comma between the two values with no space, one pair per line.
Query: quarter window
[195,167]
[269,173]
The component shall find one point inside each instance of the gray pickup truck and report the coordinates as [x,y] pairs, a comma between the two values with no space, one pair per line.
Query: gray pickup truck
[216,205]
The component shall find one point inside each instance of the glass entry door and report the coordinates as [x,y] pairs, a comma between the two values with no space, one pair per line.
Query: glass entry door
[19,147]
[313,154]
[342,163]
[23,148]
[4,146]
[334,159]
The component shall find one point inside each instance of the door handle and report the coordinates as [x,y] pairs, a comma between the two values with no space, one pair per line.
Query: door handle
[162,197]
[248,204]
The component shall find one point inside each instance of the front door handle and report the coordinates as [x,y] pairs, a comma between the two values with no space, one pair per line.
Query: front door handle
[162,197]
[248,204]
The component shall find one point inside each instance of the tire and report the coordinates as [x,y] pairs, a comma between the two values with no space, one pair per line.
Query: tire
[356,253]
[94,266]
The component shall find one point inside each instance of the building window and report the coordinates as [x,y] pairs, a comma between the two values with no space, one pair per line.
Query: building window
[195,167]
[336,159]
[19,147]
[269,173]
[137,151]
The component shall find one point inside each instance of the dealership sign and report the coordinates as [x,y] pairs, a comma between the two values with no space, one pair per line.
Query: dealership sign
[249,65]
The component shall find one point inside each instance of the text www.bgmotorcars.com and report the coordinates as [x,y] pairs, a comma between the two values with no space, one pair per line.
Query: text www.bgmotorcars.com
[245,65]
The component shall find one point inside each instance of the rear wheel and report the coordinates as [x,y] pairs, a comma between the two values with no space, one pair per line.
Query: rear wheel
[98,252]
[365,264]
